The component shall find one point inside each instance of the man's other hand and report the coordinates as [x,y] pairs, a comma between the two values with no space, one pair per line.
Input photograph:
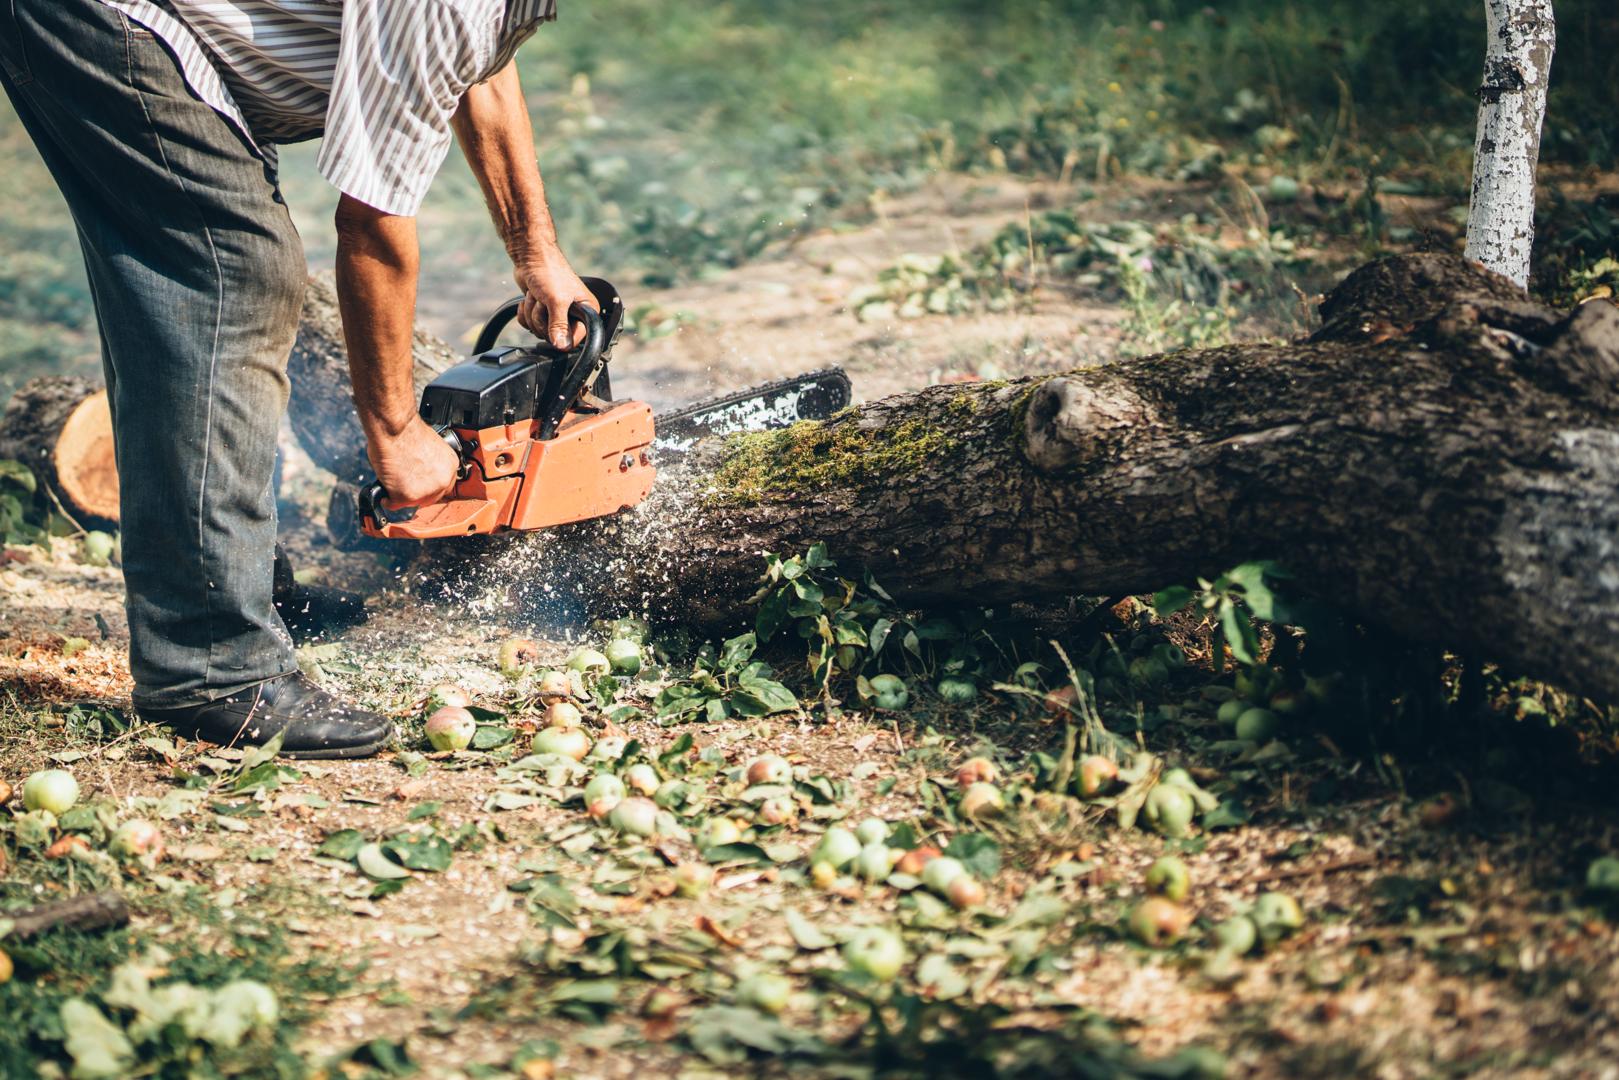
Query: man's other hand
[550,287]
[415,467]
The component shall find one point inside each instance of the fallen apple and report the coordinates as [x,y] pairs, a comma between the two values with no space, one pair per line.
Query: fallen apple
[767,992]
[563,714]
[446,695]
[1236,935]
[692,879]
[1229,710]
[719,832]
[451,728]
[940,872]
[1258,725]
[1276,915]
[976,770]
[589,663]
[1158,922]
[873,863]
[965,892]
[1169,810]
[517,655]
[769,769]
[5,793]
[1097,775]
[5,968]
[871,831]
[889,692]
[642,779]
[1060,702]
[1169,877]
[66,846]
[915,860]
[823,875]
[875,951]
[635,816]
[953,690]
[554,686]
[604,792]
[777,811]
[50,789]
[1603,875]
[569,742]
[982,800]
[139,840]
[623,656]
[838,848]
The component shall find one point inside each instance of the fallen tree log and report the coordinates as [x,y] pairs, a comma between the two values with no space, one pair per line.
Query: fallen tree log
[92,911]
[60,427]
[1440,458]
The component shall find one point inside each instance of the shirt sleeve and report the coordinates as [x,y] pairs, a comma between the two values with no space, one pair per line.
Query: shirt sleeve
[402,67]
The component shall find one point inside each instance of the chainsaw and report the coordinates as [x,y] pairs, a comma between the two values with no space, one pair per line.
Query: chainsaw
[542,442]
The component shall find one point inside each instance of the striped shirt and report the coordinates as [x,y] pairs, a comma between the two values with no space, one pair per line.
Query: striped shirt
[379,79]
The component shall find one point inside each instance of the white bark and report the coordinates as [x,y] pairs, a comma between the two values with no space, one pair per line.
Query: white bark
[1512,103]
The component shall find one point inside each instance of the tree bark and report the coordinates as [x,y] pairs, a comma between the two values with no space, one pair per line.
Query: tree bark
[94,911]
[1512,103]
[321,408]
[60,427]
[1441,459]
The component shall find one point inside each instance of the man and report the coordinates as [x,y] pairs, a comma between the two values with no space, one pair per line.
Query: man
[158,120]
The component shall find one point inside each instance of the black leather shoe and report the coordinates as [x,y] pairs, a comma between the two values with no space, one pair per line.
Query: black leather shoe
[313,723]
[309,611]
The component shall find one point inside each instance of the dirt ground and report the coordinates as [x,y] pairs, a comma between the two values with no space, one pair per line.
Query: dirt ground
[1435,944]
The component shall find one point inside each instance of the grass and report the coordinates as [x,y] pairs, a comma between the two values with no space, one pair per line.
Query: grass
[679,141]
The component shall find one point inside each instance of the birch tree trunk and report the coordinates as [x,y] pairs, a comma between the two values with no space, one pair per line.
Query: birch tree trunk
[1512,104]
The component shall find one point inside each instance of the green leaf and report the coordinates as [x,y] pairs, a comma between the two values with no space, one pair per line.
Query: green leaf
[807,935]
[1230,814]
[16,473]
[1239,632]
[816,557]
[762,697]
[978,853]
[428,852]
[343,844]
[488,736]
[735,653]
[1168,601]
[773,615]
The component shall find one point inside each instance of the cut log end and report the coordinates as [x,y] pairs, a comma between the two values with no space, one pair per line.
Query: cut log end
[61,428]
[86,468]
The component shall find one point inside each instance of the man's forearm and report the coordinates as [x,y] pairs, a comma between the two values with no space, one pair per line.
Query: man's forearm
[377,263]
[492,125]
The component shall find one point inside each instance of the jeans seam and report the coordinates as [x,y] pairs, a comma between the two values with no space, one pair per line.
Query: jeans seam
[213,355]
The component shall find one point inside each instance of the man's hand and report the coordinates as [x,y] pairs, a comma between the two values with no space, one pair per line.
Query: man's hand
[496,136]
[415,467]
[550,287]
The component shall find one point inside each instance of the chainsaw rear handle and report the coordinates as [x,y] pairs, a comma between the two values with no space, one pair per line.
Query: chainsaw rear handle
[371,495]
[505,313]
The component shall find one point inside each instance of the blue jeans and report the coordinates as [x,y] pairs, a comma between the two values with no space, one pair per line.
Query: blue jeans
[197,275]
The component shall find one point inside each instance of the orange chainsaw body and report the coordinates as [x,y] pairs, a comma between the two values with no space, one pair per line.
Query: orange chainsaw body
[598,463]
[540,440]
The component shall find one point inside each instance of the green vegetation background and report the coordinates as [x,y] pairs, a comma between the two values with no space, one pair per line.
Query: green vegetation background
[678,139]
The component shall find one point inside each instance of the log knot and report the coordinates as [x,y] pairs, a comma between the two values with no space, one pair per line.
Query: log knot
[1069,423]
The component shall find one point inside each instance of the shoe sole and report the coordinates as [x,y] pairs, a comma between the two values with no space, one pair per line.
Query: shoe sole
[340,753]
